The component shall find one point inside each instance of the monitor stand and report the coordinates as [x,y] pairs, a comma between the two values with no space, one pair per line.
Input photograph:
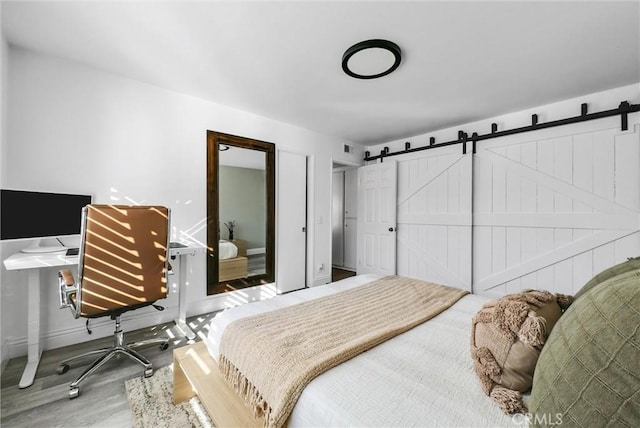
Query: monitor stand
[42,246]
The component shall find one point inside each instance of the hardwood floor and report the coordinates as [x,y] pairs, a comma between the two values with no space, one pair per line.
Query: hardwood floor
[338,274]
[257,264]
[102,401]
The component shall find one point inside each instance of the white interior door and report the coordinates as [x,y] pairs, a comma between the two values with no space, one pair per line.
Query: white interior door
[351,193]
[337,219]
[350,240]
[377,199]
[291,221]
[351,218]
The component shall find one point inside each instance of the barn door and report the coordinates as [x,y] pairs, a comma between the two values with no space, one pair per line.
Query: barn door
[377,191]
[434,216]
[555,207]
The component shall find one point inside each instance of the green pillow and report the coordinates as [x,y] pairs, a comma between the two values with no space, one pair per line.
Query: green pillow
[629,265]
[588,372]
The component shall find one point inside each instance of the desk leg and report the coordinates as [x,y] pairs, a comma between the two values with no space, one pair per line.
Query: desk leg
[33,329]
[181,321]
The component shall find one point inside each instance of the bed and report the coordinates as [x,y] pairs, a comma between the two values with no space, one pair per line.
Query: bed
[233,263]
[425,376]
[417,381]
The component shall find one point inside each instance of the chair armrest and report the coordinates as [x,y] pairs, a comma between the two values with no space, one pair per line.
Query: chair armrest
[67,291]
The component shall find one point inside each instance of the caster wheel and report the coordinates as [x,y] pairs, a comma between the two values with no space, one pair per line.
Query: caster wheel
[148,373]
[164,346]
[74,392]
[62,368]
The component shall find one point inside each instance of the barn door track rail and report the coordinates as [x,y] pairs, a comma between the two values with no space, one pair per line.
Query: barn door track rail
[624,109]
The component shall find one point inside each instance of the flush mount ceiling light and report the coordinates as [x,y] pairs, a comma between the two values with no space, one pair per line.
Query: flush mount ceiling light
[371,59]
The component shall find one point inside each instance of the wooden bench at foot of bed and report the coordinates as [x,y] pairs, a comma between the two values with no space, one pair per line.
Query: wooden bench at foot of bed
[196,373]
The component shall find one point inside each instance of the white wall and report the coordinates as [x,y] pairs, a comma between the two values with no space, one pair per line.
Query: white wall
[243,199]
[4,68]
[546,209]
[80,130]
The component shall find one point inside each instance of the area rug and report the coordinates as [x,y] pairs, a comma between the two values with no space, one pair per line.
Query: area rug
[150,400]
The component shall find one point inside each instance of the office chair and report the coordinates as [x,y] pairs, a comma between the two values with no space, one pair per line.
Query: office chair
[122,266]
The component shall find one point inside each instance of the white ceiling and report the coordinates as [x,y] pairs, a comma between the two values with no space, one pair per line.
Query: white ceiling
[462,61]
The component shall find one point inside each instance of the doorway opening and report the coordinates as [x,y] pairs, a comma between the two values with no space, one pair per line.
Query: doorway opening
[344,221]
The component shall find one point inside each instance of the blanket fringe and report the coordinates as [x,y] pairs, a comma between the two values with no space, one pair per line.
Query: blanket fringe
[245,389]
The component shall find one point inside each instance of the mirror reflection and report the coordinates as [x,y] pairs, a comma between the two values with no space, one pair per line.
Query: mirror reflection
[240,212]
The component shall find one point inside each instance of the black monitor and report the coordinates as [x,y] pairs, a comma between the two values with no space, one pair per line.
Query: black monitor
[29,215]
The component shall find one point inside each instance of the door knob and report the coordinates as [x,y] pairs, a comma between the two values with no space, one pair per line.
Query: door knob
[391,229]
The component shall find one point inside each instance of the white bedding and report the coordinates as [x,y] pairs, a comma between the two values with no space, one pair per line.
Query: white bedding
[423,377]
[227,250]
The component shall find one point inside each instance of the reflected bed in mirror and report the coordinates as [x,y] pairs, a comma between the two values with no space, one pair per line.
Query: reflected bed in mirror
[240,212]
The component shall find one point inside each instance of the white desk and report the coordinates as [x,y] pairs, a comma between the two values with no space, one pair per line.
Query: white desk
[185,266]
[33,263]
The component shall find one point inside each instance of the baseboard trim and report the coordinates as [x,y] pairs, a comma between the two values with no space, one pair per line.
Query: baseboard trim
[134,320]
[231,299]
[100,327]
[321,280]
[4,355]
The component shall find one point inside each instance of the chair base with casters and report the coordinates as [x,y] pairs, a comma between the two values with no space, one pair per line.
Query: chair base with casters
[108,353]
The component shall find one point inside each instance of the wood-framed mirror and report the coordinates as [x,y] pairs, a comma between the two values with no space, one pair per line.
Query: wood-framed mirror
[240,212]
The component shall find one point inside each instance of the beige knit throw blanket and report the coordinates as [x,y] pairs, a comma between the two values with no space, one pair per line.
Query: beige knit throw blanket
[269,358]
